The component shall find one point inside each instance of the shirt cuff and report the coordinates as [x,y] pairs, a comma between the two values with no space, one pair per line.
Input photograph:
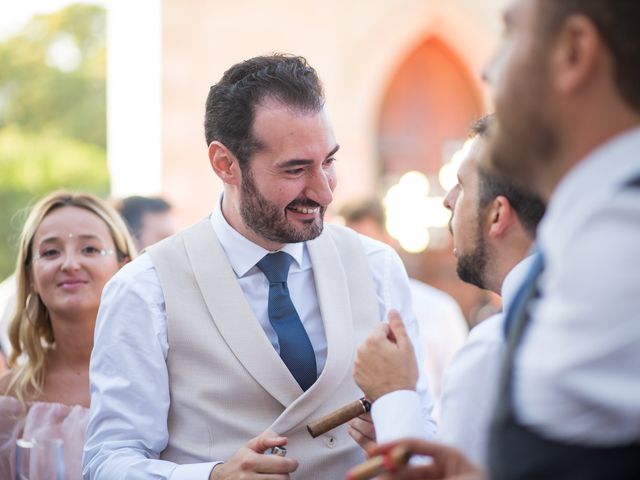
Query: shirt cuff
[398,415]
[199,471]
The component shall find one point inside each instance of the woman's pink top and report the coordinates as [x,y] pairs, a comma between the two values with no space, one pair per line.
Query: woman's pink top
[42,421]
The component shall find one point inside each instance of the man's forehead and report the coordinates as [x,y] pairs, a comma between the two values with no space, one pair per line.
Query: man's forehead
[476,146]
[469,164]
[270,104]
[277,122]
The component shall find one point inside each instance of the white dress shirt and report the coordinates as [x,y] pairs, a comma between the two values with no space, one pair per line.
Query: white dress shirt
[471,381]
[129,380]
[443,330]
[577,373]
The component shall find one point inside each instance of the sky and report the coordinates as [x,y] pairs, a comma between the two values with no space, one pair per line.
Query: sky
[14,15]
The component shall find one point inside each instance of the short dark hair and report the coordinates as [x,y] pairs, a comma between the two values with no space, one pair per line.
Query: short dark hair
[134,208]
[528,206]
[618,22]
[231,104]
[364,210]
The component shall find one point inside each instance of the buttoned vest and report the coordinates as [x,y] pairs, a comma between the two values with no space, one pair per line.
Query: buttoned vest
[227,383]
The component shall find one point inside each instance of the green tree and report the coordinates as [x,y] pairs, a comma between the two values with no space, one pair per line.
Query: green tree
[52,114]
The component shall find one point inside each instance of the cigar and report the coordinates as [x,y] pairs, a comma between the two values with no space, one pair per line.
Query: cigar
[393,461]
[339,417]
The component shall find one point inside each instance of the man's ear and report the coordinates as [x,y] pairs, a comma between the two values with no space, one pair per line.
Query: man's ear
[576,53]
[224,163]
[500,215]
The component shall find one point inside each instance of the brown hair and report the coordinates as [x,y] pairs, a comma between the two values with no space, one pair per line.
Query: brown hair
[528,206]
[232,102]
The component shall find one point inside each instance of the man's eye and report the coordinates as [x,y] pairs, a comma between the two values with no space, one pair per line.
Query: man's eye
[330,161]
[294,171]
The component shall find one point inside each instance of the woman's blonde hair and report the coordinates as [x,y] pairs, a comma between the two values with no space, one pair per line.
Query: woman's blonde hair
[30,330]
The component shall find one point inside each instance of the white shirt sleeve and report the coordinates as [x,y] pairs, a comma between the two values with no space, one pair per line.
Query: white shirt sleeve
[126,431]
[443,331]
[404,413]
[470,388]
[398,415]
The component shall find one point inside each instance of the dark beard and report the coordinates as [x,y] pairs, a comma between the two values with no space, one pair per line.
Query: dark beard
[269,222]
[471,266]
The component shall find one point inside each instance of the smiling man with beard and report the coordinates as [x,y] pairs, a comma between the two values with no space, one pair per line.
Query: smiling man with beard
[228,338]
[568,125]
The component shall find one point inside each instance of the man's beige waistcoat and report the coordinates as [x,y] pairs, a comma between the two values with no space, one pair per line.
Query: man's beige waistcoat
[228,384]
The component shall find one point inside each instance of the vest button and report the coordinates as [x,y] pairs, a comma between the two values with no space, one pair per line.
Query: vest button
[330,441]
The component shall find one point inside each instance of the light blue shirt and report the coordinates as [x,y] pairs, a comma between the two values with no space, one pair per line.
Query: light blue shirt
[471,381]
[128,373]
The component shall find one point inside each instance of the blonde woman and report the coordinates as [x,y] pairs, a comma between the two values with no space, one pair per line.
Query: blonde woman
[71,245]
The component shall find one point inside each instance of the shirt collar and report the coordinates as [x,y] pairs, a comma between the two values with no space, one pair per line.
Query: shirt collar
[602,171]
[513,280]
[242,253]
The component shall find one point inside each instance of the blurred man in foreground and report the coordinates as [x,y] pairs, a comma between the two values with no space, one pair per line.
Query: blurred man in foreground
[568,124]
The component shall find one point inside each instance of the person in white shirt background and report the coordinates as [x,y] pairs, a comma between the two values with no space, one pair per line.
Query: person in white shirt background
[443,328]
[568,124]
[272,144]
[493,225]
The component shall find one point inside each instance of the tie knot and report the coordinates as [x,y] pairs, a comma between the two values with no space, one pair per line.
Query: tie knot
[275,266]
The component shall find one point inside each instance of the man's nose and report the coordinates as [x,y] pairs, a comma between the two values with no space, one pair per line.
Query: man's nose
[321,186]
[449,199]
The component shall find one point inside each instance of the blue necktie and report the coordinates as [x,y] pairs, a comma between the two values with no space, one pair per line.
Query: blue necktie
[516,321]
[296,350]
[517,315]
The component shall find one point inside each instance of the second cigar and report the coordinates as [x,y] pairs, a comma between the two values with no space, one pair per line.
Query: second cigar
[389,463]
[339,417]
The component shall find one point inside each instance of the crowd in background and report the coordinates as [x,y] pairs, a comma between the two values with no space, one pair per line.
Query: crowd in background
[197,356]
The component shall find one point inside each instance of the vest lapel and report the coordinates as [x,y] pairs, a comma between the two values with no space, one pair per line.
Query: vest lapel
[335,307]
[233,315]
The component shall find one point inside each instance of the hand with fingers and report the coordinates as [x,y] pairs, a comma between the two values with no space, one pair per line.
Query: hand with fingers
[361,429]
[386,361]
[447,462]
[250,461]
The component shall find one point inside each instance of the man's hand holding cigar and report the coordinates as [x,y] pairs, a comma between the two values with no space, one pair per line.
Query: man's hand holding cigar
[447,463]
[386,361]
